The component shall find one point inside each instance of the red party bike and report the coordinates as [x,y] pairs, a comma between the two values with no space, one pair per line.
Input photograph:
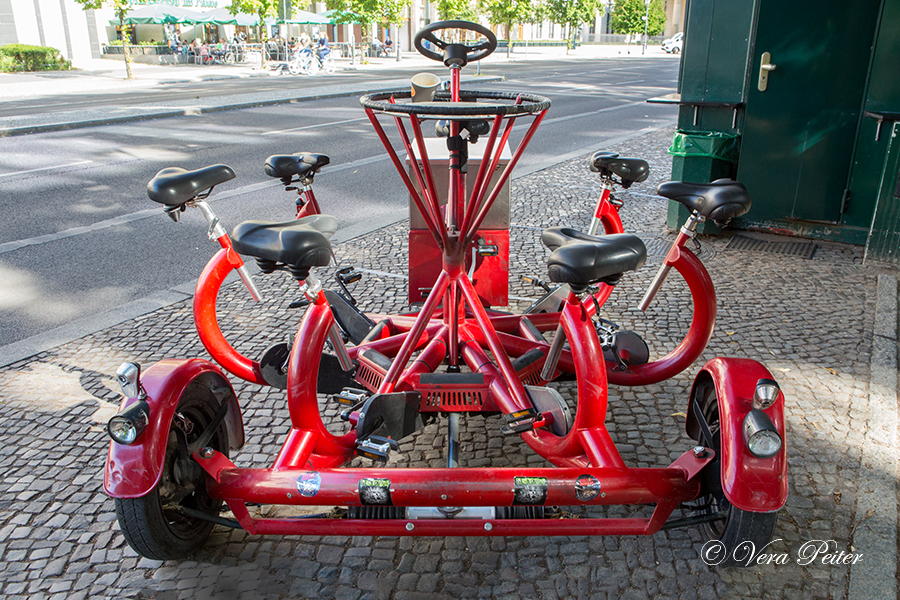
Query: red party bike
[169,467]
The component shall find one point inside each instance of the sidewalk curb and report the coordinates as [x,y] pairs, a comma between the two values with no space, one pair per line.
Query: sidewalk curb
[204,109]
[875,533]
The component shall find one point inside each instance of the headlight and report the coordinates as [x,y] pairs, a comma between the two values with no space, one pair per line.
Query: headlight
[129,377]
[127,426]
[760,434]
[766,393]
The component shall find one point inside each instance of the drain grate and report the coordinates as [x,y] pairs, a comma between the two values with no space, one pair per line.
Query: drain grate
[790,248]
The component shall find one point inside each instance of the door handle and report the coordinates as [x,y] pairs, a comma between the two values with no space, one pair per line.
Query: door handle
[764,68]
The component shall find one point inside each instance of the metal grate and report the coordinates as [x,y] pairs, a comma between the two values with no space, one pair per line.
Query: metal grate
[803,249]
[369,375]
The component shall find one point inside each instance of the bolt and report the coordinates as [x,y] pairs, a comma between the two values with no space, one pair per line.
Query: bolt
[699,452]
[488,526]
[207,452]
[603,494]
[443,496]
[410,526]
[290,495]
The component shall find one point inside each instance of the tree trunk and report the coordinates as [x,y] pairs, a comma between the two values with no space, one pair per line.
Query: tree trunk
[508,38]
[126,45]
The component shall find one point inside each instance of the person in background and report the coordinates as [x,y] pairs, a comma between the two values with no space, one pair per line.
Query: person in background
[388,44]
[324,48]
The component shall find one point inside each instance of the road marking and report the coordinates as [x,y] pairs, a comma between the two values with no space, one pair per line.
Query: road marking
[314,126]
[81,162]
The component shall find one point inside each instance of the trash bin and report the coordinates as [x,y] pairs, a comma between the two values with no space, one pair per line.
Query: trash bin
[699,157]
[705,144]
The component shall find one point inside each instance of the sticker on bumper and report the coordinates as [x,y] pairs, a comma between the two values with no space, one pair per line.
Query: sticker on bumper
[530,491]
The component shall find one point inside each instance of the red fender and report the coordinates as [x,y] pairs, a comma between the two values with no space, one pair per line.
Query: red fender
[750,483]
[132,471]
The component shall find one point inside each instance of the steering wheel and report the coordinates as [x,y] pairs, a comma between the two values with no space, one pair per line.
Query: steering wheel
[455,54]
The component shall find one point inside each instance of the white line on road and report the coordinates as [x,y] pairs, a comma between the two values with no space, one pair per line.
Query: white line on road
[314,126]
[81,162]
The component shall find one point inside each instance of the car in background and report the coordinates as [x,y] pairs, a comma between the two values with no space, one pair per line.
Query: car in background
[673,44]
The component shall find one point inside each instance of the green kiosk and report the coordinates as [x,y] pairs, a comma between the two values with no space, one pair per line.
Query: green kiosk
[799,101]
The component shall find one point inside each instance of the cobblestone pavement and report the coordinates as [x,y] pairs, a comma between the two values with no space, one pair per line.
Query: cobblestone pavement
[810,321]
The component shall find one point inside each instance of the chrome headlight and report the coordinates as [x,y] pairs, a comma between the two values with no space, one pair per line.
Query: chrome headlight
[760,435]
[129,377]
[127,426]
[766,393]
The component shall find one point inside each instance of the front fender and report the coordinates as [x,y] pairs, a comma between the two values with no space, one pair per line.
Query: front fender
[132,471]
[750,483]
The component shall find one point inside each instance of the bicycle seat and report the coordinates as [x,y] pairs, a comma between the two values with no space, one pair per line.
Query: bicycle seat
[301,164]
[298,244]
[629,170]
[174,186]
[580,259]
[720,200]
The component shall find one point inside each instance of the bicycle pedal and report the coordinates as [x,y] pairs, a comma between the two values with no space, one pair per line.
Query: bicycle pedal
[376,448]
[536,282]
[351,396]
[520,421]
[348,275]
[298,304]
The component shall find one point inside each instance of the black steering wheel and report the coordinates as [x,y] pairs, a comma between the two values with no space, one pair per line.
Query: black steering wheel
[455,54]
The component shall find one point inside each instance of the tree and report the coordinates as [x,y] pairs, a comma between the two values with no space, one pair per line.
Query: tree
[383,12]
[627,17]
[462,10]
[261,8]
[121,7]
[574,14]
[506,13]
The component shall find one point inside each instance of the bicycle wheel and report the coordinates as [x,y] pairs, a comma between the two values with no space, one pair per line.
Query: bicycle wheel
[229,58]
[295,67]
[153,524]
[741,530]
[313,67]
[329,67]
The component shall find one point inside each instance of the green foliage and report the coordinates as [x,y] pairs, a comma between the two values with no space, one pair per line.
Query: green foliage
[573,13]
[462,10]
[506,12]
[628,17]
[367,12]
[22,57]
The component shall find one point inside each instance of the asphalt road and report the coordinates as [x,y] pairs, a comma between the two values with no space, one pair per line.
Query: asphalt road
[95,242]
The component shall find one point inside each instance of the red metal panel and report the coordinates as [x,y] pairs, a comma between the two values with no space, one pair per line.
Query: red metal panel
[491,277]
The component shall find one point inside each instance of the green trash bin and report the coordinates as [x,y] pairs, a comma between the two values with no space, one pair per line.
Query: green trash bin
[705,144]
[701,156]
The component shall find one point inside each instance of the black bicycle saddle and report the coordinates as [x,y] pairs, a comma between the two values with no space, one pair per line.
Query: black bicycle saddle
[174,186]
[720,200]
[629,170]
[580,259]
[301,164]
[298,244]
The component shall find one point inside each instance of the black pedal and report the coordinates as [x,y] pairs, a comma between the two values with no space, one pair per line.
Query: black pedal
[299,304]
[345,277]
[487,249]
[520,421]
[351,396]
[376,447]
[537,282]
[348,275]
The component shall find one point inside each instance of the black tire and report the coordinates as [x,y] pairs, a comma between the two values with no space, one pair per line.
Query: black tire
[164,534]
[728,541]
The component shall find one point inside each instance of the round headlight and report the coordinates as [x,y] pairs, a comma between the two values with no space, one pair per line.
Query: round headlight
[127,426]
[122,430]
[764,444]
